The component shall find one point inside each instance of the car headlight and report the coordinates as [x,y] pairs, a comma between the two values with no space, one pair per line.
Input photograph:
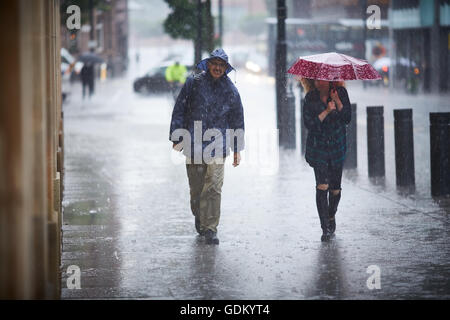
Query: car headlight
[252,66]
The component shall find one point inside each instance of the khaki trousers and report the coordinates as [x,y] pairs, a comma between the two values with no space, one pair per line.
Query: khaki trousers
[205,183]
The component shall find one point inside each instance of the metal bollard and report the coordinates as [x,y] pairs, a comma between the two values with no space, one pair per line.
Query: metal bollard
[351,160]
[290,121]
[404,149]
[440,153]
[375,141]
[303,130]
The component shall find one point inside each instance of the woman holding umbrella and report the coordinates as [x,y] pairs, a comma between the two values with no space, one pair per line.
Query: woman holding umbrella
[326,113]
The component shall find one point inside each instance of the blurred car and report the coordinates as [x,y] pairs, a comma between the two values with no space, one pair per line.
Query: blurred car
[238,59]
[155,81]
[256,62]
[252,61]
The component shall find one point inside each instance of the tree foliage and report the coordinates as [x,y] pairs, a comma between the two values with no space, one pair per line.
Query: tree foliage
[182,22]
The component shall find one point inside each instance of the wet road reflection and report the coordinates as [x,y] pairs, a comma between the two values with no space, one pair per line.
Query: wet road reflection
[330,282]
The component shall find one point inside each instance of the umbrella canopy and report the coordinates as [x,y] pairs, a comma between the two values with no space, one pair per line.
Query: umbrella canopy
[333,66]
[90,58]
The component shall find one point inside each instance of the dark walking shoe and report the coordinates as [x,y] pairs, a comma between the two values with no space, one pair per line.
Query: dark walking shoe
[211,237]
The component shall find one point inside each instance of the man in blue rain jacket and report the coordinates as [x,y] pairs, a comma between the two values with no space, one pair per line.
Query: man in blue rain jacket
[208,121]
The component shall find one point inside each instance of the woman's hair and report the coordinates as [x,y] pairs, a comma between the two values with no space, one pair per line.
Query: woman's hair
[308,84]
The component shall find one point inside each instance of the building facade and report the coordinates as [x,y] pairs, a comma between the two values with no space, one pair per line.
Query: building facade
[421,40]
[31,150]
[106,31]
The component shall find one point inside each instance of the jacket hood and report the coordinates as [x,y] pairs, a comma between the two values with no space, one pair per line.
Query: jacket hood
[218,53]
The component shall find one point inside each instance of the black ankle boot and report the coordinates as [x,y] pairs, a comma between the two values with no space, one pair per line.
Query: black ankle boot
[333,204]
[322,209]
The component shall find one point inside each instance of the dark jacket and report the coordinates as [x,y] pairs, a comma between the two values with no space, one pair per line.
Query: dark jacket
[87,72]
[216,103]
[326,140]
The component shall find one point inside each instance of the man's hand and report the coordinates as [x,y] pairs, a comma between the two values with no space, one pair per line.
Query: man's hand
[237,159]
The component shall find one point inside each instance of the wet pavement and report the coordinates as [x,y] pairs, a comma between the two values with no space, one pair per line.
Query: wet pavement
[128,226]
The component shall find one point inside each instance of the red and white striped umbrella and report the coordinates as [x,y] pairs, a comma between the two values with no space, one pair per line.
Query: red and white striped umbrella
[333,66]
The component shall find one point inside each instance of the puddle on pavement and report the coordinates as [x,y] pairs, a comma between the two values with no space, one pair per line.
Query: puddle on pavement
[87,212]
